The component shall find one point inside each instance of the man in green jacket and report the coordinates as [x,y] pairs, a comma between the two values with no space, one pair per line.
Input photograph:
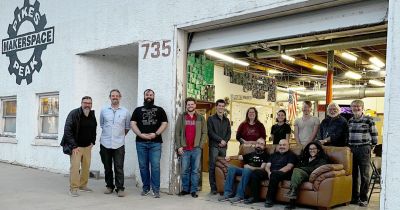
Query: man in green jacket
[190,135]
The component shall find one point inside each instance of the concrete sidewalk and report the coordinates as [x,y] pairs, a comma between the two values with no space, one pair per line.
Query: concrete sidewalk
[27,188]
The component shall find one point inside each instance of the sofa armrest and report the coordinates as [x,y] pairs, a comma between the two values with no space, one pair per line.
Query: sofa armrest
[326,175]
[324,169]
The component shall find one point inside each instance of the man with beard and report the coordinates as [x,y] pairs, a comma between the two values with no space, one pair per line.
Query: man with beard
[252,161]
[80,135]
[363,136]
[190,135]
[278,168]
[334,130]
[148,122]
[219,133]
[115,124]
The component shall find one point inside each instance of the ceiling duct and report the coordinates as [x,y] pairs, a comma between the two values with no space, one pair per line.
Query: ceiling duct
[342,94]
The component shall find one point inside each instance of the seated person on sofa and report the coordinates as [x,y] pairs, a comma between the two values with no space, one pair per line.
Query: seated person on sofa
[252,161]
[313,156]
[278,168]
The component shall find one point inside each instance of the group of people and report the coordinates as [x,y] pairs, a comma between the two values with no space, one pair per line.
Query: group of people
[359,133]
[147,122]
[191,131]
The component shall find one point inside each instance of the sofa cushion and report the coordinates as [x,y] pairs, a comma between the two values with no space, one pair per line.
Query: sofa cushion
[323,169]
[340,155]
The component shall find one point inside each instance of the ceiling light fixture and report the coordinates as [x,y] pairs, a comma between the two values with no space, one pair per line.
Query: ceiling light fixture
[348,56]
[373,67]
[297,88]
[274,71]
[226,58]
[377,62]
[353,75]
[319,68]
[342,86]
[286,57]
[376,82]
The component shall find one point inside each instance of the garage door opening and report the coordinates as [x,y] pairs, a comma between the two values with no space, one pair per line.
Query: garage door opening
[276,74]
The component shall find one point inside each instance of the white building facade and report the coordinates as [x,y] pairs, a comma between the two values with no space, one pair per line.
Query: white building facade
[55,52]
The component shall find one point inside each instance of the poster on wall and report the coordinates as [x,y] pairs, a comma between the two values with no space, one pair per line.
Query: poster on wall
[23,46]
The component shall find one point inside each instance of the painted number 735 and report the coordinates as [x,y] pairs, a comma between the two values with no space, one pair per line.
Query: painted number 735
[157,49]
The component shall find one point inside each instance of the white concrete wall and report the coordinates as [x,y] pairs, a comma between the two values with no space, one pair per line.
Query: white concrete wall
[84,26]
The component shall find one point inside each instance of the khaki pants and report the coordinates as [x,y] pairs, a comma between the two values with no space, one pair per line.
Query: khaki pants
[80,160]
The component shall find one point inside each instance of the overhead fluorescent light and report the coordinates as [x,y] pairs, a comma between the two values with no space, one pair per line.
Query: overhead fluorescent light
[352,75]
[319,68]
[260,81]
[373,67]
[274,71]
[226,58]
[377,62]
[348,56]
[286,57]
[297,88]
[376,82]
[342,86]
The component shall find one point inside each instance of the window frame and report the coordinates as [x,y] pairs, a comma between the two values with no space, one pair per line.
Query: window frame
[3,117]
[40,116]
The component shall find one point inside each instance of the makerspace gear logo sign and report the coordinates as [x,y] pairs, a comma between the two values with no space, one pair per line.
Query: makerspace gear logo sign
[37,39]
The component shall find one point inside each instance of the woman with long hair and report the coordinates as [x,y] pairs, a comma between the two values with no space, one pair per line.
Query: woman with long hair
[251,129]
[281,130]
[313,156]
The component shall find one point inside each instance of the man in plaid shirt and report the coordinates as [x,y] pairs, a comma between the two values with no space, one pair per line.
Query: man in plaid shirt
[363,135]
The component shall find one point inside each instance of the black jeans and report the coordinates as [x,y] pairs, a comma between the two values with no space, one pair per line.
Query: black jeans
[260,175]
[214,153]
[116,156]
[361,163]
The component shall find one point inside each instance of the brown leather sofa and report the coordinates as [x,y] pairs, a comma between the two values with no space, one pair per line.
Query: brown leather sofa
[329,185]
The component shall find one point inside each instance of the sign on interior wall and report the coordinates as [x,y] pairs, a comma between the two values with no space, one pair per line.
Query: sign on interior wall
[25,43]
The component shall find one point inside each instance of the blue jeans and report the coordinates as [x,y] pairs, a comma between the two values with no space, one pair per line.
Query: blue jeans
[149,155]
[191,169]
[234,171]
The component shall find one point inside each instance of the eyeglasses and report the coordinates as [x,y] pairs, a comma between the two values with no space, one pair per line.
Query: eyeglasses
[312,149]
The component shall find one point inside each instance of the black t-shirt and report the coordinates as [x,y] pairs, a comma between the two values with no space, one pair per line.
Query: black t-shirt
[279,160]
[280,131]
[87,130]
[148,120]
[254,159]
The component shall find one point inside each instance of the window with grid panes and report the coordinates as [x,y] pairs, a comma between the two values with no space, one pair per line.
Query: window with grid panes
[48,115]
[9,116]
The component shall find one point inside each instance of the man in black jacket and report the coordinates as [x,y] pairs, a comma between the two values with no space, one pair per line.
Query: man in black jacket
[219,133]
[80,136]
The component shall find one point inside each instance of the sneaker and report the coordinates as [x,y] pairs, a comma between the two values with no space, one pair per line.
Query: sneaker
[108,191]
[213,192]
[183,193]
[121,193]
[85,189]
[74,193]
[363,203]
[194,195]
[250,200]
[223,198]
[145,192]
[156,194]
[268,204]
[236,200]
[354,201]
